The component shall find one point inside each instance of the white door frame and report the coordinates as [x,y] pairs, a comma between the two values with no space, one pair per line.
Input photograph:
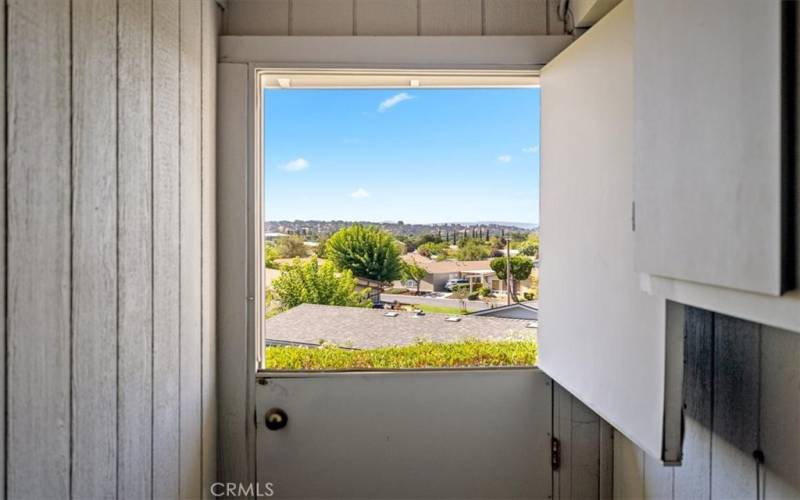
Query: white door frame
[245,62]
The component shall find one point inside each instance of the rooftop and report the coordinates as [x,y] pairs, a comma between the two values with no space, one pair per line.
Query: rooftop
[369,328]
[448,266]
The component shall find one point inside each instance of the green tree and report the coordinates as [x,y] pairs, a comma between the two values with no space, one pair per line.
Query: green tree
[472,250]
[521,268]
[414,272]
[531,246]
[292,246]
[270,254]
[429,249]
[366,251]
[314,283]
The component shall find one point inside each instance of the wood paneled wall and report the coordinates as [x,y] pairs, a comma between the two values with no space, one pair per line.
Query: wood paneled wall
[392,17]
[108,248]
[741,394]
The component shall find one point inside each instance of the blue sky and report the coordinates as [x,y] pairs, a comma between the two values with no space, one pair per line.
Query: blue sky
[425,155]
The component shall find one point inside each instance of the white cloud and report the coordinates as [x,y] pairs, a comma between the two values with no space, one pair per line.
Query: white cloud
[393,101]
[504,158]
[532,149]
[359,193]
[296,165]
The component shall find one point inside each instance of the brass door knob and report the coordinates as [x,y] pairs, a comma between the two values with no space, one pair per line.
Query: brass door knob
[276,419]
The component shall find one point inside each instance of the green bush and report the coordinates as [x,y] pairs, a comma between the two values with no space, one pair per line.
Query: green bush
[485,292]
[529,295]
[420,355]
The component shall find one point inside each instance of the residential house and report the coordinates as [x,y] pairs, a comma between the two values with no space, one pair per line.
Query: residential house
[517,310]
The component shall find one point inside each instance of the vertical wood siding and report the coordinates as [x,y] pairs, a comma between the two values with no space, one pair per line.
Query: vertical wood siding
[38,239]
[742,393]
[392,17]
[107,190]
[94,248]
[210,28]
[135,174]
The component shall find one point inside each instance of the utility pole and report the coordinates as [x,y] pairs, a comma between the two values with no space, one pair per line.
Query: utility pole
[508,270]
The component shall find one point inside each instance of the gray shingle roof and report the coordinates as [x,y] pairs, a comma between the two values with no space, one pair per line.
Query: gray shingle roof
[368,328]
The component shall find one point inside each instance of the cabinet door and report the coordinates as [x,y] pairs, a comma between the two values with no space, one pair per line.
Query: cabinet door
[710,174]
[600,336]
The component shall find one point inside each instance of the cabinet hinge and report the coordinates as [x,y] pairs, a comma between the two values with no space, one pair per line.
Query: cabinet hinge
[555,453]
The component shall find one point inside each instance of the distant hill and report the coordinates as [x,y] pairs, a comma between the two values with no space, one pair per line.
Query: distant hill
[315,228]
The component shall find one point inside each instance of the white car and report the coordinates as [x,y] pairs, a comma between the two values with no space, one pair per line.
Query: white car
[452,283]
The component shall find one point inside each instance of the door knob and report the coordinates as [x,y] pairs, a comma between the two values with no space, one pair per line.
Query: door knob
[276,419]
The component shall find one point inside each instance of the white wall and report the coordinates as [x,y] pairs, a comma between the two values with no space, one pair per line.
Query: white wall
[392,17]
[600,337]
[109,236]
[742,393]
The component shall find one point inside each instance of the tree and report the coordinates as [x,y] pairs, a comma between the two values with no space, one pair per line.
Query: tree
[366,251]
[414,272]
[292,246]
[472,250]
[430,249]
[521,268]
[314,283]
[531,246]
[270,254]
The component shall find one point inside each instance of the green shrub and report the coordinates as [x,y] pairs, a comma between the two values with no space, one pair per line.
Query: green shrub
[485,292]
[421,355]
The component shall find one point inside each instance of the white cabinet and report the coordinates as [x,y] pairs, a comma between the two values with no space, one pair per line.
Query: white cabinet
[710,174]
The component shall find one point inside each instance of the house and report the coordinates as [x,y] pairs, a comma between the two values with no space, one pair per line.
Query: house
[517,310]
[440,271]
[364,328]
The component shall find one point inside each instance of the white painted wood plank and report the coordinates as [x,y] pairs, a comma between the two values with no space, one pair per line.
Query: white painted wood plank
[94,249]
[562,417]
[451,17]
[166,250]
[658,479]
[191,409]
[235,368]
[39,185]
[321,17]
[780,413]
[3,246]
[628,469]
[736,408]
[703,179]
[257,17]
[585,451]
[210,28]
[386,17]
[692,478]
[212,22]
[414,52]
[606,483]
[516,17]
[135,251]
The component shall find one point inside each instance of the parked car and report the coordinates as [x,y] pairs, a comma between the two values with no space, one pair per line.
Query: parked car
[453,283]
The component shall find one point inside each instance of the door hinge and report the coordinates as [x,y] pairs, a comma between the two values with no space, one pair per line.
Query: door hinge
[633,216]
[555,453]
